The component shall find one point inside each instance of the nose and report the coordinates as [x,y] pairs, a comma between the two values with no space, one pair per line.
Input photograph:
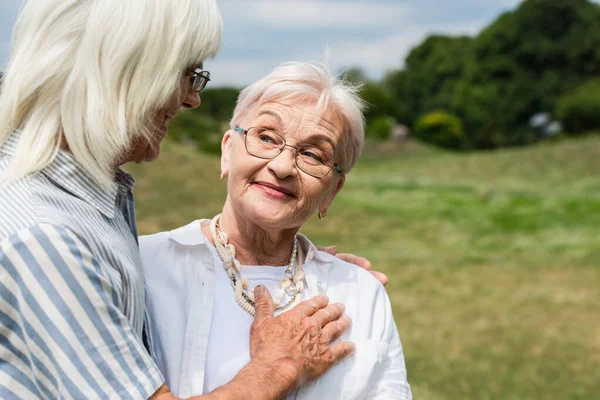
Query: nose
[191,99]
[284,165]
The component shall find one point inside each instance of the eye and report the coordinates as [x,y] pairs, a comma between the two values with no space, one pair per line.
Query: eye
[266,138]
[269,137]
[311,154]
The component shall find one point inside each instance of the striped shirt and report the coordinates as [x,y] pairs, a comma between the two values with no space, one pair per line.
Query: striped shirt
[72,297]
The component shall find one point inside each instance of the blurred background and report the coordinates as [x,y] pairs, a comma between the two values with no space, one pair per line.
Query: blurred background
[478,192]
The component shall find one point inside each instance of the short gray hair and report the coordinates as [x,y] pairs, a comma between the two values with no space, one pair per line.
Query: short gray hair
[95,71]
[299,82]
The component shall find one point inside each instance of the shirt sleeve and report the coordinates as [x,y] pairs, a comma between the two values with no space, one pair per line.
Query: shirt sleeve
[62,332]
[392,383]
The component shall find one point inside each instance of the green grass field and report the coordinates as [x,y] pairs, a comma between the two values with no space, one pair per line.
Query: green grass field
[493,258]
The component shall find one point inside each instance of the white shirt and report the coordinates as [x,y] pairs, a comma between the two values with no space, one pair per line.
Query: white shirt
[181,278]
[228,348]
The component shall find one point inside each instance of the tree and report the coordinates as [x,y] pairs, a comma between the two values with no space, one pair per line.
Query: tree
[428,81]
[521,65]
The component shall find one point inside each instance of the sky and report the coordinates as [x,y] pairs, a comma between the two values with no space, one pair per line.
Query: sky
[374,35]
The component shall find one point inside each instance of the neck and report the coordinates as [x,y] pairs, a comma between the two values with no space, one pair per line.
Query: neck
[255,245]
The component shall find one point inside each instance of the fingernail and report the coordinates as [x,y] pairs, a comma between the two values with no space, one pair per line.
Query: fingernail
[259,290]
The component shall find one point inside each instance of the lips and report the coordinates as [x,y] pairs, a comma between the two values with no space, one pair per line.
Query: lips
[276,188]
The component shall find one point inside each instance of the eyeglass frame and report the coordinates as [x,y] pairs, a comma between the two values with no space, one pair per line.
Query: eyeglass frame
[335,166]
[203,75]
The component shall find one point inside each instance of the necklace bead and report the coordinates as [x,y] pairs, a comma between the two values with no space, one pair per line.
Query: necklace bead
[292,285]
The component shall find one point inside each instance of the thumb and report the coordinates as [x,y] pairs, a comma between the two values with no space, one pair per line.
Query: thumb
[263,304]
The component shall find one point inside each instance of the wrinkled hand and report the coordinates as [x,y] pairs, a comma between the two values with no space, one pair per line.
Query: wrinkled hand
[298,342]
[356,260]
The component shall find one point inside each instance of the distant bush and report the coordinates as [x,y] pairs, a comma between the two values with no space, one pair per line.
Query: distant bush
[441,129]
[198,129]
[380,128]
[579,110]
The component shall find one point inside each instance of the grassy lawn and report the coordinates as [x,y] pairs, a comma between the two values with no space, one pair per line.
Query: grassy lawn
[494,258]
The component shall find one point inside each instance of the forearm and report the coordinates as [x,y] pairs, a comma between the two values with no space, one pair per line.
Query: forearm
[256,381]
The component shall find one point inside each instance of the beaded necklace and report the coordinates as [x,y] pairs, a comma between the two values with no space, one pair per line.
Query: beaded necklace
[292,284]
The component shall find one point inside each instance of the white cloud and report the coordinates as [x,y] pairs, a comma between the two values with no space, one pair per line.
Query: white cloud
[389,51]
[238,73]
[283,14]
[374,57]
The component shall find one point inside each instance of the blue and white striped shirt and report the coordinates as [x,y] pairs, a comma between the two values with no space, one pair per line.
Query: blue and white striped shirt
[72,298]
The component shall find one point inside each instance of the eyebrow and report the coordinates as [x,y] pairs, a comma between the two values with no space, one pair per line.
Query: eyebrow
[320,136]
[272,114]
[314,136]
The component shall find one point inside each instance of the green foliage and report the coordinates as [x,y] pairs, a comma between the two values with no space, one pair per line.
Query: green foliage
[204,127]
[219,103]
[441,129]
[579,110]
[428,81]
[379,101]
[518,66]
[380,128]
[522,63]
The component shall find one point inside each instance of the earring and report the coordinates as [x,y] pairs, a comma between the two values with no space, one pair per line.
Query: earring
[224,177]
[322,215]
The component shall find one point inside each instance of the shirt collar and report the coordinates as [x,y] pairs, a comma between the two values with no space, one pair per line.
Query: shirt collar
[65,172]
[191,235]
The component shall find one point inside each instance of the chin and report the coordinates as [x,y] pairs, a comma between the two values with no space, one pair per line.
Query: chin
[268,217]
[152,153]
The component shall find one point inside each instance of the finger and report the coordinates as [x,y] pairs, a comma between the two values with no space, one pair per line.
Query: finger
[356,260]
[381,277]
[328,314]
[342,350]
[263,304]
[328,249]
[335,329]
[308,307]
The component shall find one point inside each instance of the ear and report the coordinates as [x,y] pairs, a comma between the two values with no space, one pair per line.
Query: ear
[331,195]
[226,148]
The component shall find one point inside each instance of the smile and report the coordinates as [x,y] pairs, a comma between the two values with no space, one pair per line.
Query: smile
[274,190]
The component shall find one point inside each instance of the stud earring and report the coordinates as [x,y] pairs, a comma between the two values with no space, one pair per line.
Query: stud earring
[224,177]
[322,215]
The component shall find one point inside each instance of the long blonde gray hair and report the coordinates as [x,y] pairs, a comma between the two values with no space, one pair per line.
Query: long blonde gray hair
[92,72]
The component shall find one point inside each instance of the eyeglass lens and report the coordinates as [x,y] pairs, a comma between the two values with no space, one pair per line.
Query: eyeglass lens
[199,80]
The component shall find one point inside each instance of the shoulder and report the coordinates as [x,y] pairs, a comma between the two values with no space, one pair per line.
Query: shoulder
[47,238]
[351,276]
[167,243]
[169,251]
[35,199]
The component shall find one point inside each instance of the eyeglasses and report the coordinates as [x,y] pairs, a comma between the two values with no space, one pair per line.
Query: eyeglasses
[199,79]
[313,159]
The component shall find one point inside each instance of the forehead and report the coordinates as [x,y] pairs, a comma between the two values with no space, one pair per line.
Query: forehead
[298,117]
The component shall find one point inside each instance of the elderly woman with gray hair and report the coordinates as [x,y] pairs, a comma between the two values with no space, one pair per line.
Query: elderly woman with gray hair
[294,136]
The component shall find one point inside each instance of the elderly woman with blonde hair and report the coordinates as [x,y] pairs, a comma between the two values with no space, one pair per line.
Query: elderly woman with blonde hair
[90,86]
[294,136]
